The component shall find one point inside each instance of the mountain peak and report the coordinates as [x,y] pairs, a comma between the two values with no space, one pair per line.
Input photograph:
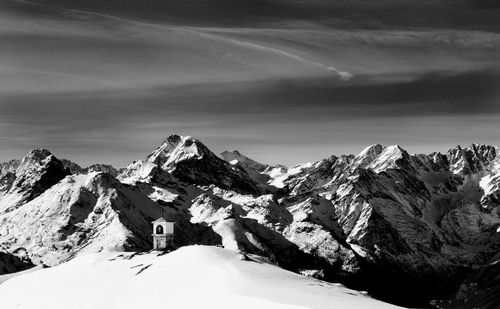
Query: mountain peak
[42,152]
[378,157]
[469,160]
[253,168]
[395,149]
[175,139]
[235,157]
[370,151]
[37,156]
[189,160]
[175,149]
[38,171]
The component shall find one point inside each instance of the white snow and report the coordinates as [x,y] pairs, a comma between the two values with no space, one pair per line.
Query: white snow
[161,194]
[279,174]
[191,277]
[490,183]
[386,159]
[6,277]
[136,172]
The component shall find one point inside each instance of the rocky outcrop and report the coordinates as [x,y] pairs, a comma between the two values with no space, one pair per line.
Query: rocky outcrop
[9,167]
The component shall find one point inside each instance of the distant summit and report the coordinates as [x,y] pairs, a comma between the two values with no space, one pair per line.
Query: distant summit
[235,157]
[74,168]
[191,161]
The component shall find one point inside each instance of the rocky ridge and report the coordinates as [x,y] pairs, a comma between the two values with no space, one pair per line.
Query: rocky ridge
[74,168]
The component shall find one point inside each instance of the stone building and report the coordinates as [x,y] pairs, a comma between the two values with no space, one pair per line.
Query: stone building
[163,234]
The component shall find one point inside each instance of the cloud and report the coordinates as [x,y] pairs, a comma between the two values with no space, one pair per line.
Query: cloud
[246,44]
[342,74]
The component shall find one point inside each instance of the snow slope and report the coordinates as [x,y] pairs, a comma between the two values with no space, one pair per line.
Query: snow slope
[191,277]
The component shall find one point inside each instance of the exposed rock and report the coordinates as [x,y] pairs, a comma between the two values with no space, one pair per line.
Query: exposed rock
[77,169]
[72,167]
[253,168]
[10,263]
[9,167]
[479,290]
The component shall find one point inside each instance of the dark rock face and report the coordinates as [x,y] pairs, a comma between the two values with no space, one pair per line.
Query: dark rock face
[72,167]
[481,289]
[54,171]
[10,263]
[205,171]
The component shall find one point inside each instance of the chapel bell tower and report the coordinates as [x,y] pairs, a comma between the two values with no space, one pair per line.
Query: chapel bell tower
[163,234]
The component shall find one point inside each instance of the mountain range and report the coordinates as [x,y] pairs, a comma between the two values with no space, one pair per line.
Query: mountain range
[411,229]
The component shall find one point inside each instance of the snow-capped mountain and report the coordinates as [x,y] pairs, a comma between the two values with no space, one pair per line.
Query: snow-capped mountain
[188,160]
[407,228]
[37,172]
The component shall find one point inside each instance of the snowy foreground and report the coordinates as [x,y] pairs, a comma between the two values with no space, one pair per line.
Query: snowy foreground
[194,276]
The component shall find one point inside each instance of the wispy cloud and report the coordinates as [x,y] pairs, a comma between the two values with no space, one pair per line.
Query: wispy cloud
[344,75]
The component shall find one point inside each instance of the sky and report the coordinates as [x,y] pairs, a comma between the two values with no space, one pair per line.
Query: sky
[282,81]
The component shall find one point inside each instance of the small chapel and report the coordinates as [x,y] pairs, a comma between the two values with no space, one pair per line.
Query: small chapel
[163,234]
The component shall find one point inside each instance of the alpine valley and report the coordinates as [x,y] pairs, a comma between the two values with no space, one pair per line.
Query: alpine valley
[416,230]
